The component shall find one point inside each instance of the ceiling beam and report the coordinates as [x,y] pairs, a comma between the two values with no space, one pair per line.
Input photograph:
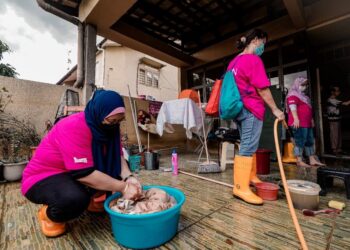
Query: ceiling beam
[296,12]
[276,29]
[138,40]
[103,13]
[322,11]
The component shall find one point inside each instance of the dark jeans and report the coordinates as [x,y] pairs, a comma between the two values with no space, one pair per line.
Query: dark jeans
[66,197]
[335,135]
[304,140]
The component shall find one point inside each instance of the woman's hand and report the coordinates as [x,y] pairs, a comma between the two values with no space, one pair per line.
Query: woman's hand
[296,123]
[131,191]
[134,180]
[279,114]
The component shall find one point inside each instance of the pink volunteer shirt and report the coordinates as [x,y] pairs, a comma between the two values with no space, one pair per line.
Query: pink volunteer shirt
[250,75]
[304,112]
[66,147]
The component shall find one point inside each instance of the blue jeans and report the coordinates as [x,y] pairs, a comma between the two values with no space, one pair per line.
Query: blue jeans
[250,129]
[304,139]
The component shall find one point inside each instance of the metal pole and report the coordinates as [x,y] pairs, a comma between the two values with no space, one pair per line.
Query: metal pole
[135,121]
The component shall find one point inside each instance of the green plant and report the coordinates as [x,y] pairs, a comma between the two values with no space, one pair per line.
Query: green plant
[16,137]
[5,68]
[5,99]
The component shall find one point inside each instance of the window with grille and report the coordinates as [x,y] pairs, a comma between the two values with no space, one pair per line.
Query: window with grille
[148,75]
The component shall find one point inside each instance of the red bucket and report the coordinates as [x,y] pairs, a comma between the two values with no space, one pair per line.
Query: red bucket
[267,191]
[263,161]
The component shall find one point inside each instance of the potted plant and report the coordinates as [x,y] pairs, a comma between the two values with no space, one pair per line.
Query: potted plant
[16,139]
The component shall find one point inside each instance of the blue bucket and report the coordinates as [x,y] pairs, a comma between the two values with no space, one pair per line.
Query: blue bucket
[139,231]
[135,162]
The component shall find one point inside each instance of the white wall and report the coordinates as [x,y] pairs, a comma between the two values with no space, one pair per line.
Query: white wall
[120,69]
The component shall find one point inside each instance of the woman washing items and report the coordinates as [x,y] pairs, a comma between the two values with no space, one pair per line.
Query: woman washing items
[80,155]
[300,120]
[334,119]
[253,86]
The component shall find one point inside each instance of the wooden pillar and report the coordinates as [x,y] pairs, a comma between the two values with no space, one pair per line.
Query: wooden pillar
[183,79]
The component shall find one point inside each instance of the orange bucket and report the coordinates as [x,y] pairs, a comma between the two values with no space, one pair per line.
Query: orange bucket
[189,93]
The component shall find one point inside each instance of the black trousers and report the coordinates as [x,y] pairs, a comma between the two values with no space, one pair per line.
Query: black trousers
[66,197]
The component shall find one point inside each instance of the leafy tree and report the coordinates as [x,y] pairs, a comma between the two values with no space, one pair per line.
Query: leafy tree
[6,69]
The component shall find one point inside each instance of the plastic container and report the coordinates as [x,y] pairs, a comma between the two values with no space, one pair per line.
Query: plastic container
[304,194]
[263,161]
[14,171]
[267,191]
[135,162]
[151,160]
[140,231]
[174,163]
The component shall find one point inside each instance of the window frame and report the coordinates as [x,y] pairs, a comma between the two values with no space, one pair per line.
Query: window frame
[149,73]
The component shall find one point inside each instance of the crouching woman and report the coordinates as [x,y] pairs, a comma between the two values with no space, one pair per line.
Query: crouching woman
[80,156]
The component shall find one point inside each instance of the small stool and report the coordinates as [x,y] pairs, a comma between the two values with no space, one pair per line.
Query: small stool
[227,153]
[325,179]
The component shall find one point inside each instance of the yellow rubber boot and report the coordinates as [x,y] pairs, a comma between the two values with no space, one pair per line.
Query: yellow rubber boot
[241,177]
[48,227]
[253,178]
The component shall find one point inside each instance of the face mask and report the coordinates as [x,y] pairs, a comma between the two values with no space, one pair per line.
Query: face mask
[109,127]
[259,50]
[302,88]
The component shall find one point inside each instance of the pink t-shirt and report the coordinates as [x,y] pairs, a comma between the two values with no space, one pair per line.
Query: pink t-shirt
[249,73]
[67,147]
[304,112]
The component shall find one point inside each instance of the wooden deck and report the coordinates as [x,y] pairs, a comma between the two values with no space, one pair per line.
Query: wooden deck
[210,219]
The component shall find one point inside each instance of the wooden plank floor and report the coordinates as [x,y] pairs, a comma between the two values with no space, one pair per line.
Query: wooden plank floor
[210,219]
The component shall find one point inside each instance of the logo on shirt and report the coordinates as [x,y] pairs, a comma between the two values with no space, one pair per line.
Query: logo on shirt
[80,160]
[234,71]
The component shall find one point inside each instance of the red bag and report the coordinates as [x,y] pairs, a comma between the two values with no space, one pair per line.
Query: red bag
[213,103]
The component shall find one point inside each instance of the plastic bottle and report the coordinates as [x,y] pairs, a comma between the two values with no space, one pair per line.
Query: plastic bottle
[174,163]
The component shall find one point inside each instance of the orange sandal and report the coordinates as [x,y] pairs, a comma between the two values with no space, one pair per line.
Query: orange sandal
[96,204]
[48,227]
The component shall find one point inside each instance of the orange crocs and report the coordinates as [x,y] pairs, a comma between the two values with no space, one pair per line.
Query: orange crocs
[96,204]
[48,227]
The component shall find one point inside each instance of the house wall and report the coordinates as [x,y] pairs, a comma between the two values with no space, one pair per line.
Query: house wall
[35,102]
[120,68]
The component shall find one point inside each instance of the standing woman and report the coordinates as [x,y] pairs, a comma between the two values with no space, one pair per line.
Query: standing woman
[253,86]
[80,155]
[300,120]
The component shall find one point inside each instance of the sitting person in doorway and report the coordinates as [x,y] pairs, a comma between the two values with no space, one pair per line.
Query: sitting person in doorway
[300,120]
[334,119]
[80,156]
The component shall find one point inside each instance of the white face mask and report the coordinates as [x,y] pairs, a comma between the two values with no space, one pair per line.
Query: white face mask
[302,88]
